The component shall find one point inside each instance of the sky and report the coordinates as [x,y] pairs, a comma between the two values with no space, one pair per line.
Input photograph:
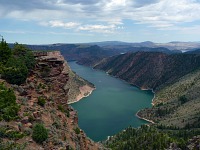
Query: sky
[82,21]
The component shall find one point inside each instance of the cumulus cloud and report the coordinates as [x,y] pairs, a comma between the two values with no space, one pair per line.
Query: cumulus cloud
[155,13]
[58,23]
[166,13]
[99,28]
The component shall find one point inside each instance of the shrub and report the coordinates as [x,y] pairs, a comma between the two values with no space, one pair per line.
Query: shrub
[27,131]
[41,101]
[8,105]
[11,145]
[26,55]
[183,99]
[64,110]
[5,52]
[15,71]
[31,118]
[6,132]
[60,107]
[15,64]
[45,71]
[40,133]
[56,124]
[77,130]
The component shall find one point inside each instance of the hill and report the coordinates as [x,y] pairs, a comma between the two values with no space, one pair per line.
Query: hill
[177,104]
[150,70]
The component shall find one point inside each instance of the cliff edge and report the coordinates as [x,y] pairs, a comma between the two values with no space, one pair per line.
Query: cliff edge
[43,99]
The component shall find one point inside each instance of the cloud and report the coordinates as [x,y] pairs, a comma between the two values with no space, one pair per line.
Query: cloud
[165,13]
[154,13]
[57,23]
[83,2]
[141,3]
[99,28]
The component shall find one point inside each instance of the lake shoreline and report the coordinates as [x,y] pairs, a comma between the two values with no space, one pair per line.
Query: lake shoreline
[142,118]
[85,91]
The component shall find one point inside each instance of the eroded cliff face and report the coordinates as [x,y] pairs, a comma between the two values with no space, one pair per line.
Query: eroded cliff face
[48,82]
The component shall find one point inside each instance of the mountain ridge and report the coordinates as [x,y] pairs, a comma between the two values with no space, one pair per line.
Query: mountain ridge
[149,70]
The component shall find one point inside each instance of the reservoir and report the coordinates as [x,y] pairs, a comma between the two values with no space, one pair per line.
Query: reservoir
[112,105]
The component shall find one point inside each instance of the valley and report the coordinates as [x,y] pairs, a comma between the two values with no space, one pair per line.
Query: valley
[100,75]
[112,105]
[175,80]
[106,106]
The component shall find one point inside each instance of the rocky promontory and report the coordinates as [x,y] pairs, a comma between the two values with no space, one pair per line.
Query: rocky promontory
[44,99]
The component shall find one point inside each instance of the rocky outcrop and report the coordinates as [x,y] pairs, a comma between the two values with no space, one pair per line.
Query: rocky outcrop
[47,82]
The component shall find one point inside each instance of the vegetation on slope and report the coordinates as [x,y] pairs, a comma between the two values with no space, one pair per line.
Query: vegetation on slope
[40,133]
[14,66]
[8,105]
[15,63]
[177,104]
[151,138]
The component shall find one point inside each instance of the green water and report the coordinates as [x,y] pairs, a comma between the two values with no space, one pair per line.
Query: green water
[111,107]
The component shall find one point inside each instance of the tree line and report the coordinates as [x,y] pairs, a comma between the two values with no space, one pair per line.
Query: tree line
[15,63]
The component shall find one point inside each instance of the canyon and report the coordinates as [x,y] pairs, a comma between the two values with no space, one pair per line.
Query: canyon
[173,76]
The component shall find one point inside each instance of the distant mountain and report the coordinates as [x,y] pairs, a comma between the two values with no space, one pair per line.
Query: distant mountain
[175,45]
[126,48]
[125,44]
[118,43]
[89,54]
[111,43]
[183,46]
[195,51]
